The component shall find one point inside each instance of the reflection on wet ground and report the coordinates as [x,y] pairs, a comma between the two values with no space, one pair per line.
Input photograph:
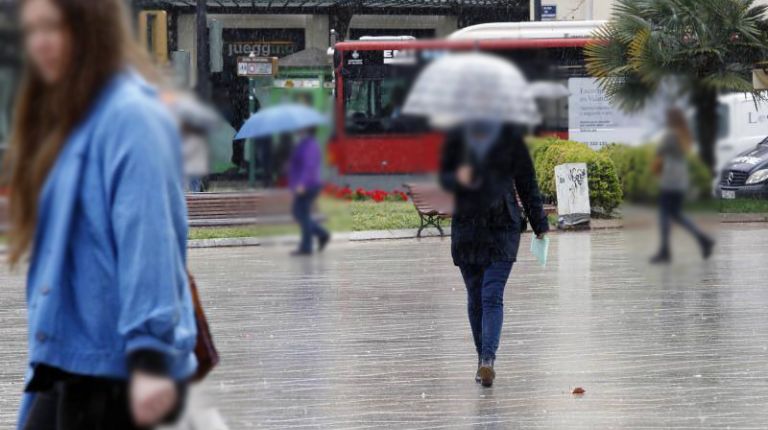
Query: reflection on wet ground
[374,335]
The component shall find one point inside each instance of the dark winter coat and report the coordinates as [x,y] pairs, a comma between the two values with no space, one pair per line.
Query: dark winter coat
[486,224]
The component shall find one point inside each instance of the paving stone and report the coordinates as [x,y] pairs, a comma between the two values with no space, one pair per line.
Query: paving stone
[375,335]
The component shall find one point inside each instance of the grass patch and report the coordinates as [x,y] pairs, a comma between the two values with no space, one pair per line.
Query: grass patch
[341,216]
[368,215]
[244,231]
[730,206]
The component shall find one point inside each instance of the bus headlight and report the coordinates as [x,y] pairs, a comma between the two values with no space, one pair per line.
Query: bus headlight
[758,177]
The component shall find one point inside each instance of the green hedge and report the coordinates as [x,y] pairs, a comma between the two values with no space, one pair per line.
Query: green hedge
[638,182]
[633,165]
[605,190]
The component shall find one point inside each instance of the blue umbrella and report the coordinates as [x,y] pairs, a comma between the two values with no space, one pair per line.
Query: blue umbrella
[280,119]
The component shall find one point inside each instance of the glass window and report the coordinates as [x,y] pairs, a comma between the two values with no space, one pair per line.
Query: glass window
[375,106]
[554,114]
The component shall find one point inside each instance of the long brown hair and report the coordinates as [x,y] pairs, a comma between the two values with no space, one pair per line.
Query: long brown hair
[101,45]
[678,124]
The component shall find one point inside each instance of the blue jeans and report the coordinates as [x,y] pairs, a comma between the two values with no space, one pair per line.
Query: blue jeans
[302,213]
[485,304]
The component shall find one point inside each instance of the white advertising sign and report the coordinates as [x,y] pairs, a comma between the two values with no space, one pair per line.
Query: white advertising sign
[572,189]
[256,66]
[594,121]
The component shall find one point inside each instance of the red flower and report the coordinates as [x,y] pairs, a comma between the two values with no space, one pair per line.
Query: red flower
[399,196]
[361,194]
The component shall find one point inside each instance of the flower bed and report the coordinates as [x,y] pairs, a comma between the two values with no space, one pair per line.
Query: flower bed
[360,194]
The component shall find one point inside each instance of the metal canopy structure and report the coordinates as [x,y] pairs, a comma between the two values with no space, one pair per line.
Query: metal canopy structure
[468,12]
[440,7]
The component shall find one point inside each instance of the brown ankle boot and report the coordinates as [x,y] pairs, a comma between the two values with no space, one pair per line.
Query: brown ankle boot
[486,373]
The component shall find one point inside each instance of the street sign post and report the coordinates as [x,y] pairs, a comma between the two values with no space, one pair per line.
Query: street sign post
[253,68]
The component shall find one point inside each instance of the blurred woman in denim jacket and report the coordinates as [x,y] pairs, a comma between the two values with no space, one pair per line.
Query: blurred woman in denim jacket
[97,205]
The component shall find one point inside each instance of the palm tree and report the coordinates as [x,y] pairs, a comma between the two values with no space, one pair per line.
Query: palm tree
[706,46]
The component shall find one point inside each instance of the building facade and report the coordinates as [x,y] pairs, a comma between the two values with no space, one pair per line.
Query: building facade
[204,47]
[574,10]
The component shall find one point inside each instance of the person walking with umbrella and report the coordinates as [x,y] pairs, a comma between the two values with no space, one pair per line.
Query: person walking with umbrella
[304,179]
[304,167]
[485,164]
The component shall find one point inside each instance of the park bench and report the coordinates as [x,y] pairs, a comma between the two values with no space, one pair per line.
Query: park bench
[432,204]
[268,207]
[222,209]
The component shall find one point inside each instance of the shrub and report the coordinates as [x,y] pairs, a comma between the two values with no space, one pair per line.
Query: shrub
[633,165]
[537,145]
[638,182]
[604,187]
[701,177]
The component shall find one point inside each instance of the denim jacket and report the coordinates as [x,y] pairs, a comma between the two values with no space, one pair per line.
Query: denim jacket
[107,272]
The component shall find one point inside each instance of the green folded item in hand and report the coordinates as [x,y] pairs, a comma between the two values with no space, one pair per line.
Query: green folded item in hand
[540,249]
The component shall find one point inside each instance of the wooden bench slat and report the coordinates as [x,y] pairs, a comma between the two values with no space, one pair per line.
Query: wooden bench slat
[240,208]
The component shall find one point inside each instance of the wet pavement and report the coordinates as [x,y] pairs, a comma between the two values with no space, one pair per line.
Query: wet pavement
[374,335]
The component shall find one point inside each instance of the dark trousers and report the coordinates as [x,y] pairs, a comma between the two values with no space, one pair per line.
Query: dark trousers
[671,209]
[302,213]
[82,403]
[485,304]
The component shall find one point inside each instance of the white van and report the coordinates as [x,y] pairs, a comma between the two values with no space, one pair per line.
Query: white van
[742,124]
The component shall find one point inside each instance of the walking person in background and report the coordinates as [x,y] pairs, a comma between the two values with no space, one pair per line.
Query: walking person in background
[304,179]
[671,164]
[483,163]
[197,122]
[196,154]
[98,208]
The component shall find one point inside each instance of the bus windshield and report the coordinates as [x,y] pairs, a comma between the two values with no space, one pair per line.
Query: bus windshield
[374,105]
[376,84]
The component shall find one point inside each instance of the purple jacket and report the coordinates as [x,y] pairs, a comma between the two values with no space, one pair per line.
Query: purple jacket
[304,168]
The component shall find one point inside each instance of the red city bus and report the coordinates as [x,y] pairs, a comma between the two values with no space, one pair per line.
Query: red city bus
[372,79]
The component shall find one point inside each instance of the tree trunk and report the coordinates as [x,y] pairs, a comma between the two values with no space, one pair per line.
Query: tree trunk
[705,101]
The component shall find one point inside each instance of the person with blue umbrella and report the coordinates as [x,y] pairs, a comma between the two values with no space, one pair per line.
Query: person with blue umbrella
[283,118]
[304,167]
[304,179]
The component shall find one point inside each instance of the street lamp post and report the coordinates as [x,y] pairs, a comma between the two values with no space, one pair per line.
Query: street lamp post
[251,143]
[203,53]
